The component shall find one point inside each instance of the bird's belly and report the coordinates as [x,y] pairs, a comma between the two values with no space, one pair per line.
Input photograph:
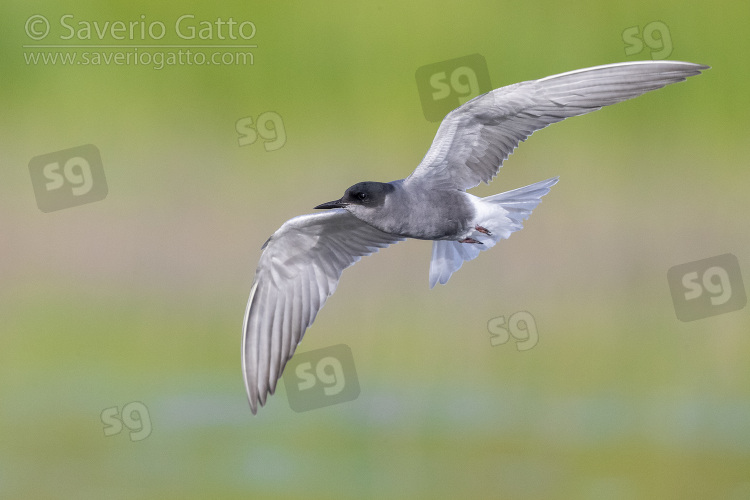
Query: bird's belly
[446,220]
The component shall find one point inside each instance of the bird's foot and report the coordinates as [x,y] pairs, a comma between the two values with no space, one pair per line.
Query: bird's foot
[470,240]
[483,230]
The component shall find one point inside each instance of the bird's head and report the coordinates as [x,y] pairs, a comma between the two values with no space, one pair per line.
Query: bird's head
[362,198]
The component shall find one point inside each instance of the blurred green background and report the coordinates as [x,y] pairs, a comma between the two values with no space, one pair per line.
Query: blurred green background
[139,297]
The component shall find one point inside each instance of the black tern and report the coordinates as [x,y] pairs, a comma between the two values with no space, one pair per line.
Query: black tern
[303,260]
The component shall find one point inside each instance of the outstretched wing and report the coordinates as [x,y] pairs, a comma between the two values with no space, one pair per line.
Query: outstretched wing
[474,139]
[299,269]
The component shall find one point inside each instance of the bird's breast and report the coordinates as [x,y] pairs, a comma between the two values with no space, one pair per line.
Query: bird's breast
[430,215]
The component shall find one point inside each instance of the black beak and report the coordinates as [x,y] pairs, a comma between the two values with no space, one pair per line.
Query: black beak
[331,204]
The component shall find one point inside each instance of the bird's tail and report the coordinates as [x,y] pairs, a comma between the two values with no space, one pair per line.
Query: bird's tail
[500,214]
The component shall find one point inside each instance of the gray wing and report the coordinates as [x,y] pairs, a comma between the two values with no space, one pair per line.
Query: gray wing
[474,139]
[299,269]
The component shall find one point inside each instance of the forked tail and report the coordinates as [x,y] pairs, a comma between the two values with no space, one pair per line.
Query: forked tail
[505,213]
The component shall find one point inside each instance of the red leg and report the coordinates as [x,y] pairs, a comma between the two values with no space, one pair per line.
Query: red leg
[470,240]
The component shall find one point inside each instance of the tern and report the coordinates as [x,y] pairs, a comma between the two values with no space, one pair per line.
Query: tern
[302,261]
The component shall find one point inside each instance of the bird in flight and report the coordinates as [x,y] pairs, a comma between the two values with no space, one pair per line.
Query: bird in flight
[303,260]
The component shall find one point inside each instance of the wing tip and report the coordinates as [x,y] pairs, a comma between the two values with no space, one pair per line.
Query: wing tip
[680,71]
[251,389]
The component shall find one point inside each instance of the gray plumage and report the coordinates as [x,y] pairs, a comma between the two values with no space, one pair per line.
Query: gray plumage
[303,260]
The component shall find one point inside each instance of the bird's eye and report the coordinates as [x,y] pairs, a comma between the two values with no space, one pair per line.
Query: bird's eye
[361,196]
